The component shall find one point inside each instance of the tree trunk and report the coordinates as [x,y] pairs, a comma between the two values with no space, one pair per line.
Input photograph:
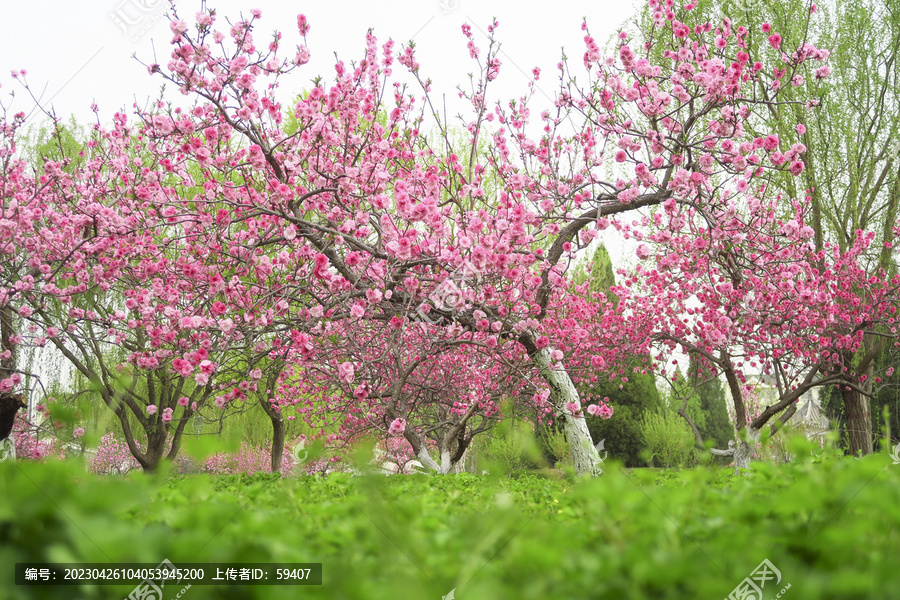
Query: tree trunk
[447,465]
[150,459]
[459,466]
[9,403]
[156,448]
[426,460]
[277,443]
[562,392]
[9,406]
[274,415]
[859,421]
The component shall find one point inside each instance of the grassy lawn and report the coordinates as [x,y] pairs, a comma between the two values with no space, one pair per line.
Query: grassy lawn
[831,527]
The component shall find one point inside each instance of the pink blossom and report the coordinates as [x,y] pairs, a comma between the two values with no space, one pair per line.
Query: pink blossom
[167,415]
[605,411]
[151,409]
[302,56]
[182,367]
[78,432]
[346,372]
[302,24]
[183,401]
[397,426]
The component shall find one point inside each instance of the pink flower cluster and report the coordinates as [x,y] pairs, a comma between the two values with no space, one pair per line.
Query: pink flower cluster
[248,459]
[112,457]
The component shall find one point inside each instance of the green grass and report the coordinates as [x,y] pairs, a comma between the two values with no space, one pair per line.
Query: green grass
[832,528]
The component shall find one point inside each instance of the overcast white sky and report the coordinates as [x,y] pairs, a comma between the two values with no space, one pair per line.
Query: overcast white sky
[78,52]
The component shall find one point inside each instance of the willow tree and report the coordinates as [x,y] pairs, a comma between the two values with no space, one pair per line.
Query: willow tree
[851,156]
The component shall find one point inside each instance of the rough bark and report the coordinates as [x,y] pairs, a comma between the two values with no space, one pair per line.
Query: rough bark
[277,455]
[562,392]
[447,464]
[150,459]
[277,444]
[859,421]
[274,414]
[426,460]
[459,462]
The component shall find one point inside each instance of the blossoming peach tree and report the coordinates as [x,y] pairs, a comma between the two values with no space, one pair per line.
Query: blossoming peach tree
[751,296]
[129,285]
[346,219]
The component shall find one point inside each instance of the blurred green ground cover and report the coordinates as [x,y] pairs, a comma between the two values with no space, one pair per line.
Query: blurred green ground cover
[832,527]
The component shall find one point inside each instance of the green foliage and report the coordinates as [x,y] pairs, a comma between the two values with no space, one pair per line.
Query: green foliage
[510,447]
[669,440]
[63,143]
[599,274]
[630,399]
[629,534]
[623,432]
[709,409]
[554,444]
